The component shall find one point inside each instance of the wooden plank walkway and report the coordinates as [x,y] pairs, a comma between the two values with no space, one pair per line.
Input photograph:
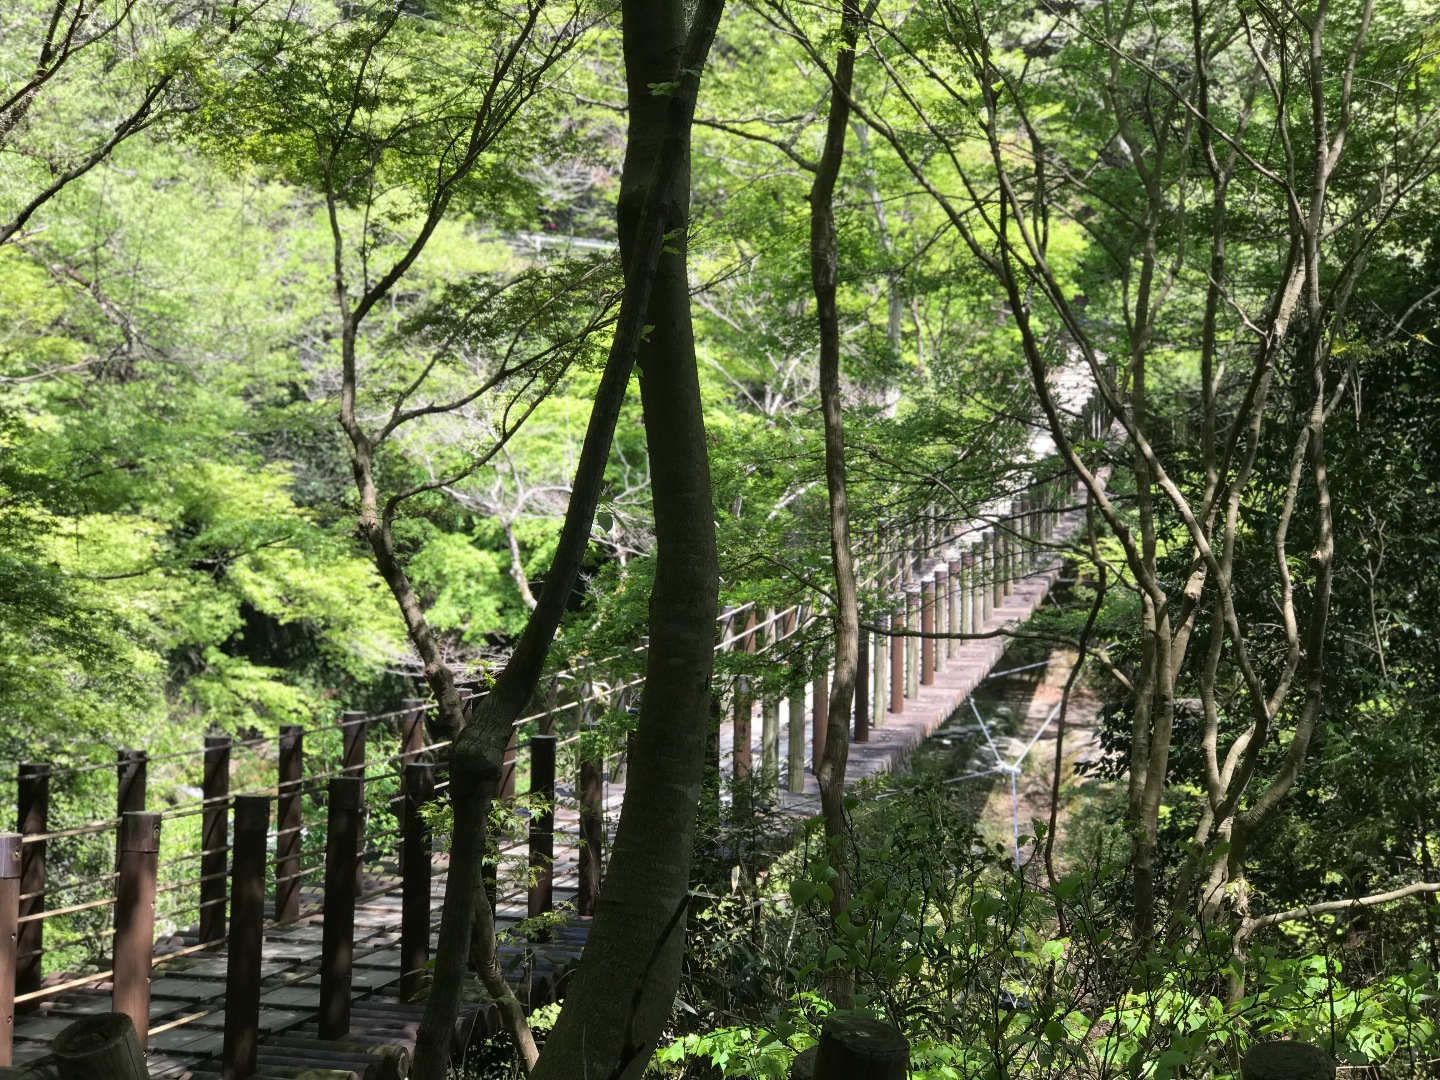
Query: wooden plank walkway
[187,992]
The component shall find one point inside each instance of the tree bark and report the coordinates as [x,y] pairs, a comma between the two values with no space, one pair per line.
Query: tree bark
[622,992]
[479,749]
[824,261]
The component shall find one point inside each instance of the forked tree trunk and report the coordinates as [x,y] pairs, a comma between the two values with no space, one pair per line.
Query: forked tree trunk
[655,289]
[622,992]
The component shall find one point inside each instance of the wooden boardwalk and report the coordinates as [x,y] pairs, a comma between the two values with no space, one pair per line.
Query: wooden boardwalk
[187,992]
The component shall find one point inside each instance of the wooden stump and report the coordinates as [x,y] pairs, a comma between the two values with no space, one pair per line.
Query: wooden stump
[103,1047]
[858,1048]
[1286,1061]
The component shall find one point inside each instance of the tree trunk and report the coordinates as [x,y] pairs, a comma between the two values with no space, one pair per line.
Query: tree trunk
[479,748]
[622,992]
[824,259]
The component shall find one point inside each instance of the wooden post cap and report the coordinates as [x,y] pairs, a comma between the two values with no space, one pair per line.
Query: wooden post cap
[1286,1061]
[858,1048]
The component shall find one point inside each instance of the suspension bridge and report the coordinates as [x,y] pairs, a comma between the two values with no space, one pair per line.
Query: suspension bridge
[276,920]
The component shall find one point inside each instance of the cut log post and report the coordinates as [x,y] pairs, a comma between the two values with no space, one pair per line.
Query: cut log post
[855,1048]
[32,819]
[247,917]
[1286,1061]
[214,836]
[103,1047]
[10,851]
[135,918]
[419,780]
[288,823]
[338,930]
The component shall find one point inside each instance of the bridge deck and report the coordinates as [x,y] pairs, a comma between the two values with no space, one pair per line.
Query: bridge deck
[187,992]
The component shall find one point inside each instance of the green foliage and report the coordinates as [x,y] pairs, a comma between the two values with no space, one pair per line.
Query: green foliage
[946,940]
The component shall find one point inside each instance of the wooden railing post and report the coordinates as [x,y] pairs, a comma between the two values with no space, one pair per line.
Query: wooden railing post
[289,819]
[32,819]
[1012,550]
[740,751]
[214,836]
[412,738]
[592,834]
[861,705]
[795,718]
[983,589]
[997,572]
[942,615]
[927,626]
[912,650]
[956,601]
[770,716]
[247,918]
[819,716]
[1033,529]
[354,727]
[338,931]
[412,730]
[507,765]
[130,770]
[355,730]
[898,648]
[795,728]
[10,852]
[419,785]
[135,918]
[881,669]
[541,899]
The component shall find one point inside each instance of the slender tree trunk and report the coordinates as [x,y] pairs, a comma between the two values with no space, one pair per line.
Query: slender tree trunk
[824,260]
[1060,719]
[479,749]
[622,993]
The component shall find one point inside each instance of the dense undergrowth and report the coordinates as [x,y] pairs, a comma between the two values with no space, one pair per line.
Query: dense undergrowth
[992,971]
